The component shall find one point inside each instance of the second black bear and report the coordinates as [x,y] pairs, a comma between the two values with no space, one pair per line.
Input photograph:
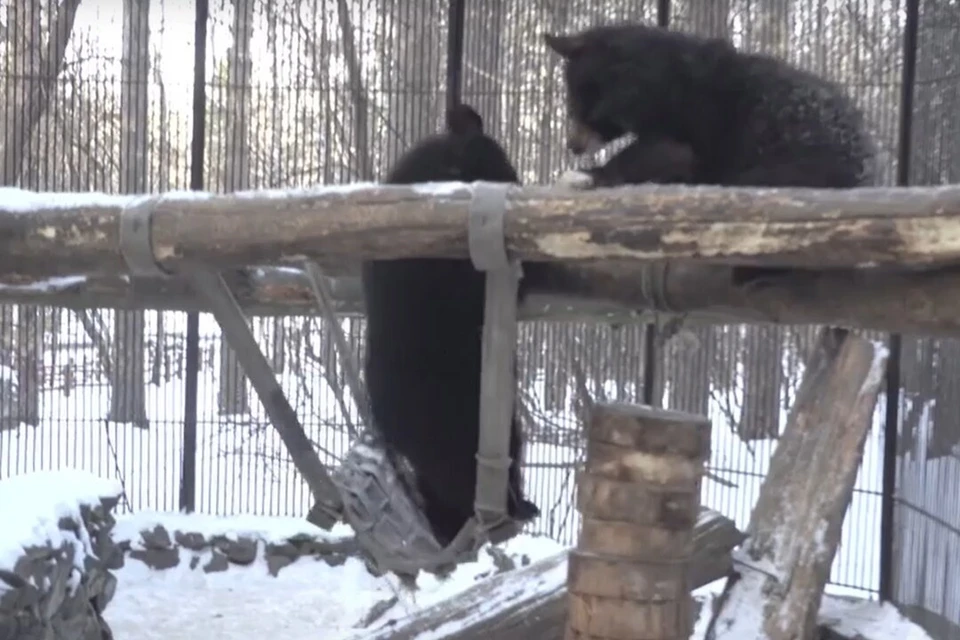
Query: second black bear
[424,341]
[748,119]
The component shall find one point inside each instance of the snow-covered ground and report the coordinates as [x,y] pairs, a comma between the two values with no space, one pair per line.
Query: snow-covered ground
[308,599]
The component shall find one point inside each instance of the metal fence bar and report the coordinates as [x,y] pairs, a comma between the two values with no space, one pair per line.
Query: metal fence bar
[650,361]
[663,13]
[892,420]
[455,31]
[188,474]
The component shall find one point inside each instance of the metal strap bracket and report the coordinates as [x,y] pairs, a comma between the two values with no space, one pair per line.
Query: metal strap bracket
[488,252]
[136,244]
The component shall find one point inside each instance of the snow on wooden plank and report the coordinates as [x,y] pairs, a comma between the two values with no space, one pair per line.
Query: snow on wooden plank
[795,527]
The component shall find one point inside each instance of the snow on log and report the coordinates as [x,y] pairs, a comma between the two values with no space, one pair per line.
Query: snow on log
[531,602]
[795,526]
[639,497]
[909,302]
[71,233]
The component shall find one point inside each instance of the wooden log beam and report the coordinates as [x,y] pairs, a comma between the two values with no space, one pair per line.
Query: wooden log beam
[909,302]
[795,527]
[881,299]
[530,603]
[71,234]
[639,496]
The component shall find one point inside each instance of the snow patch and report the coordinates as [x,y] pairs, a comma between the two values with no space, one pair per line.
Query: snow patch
[306,600]
[57,283]
[743,611]
[867,619]
[442,188]
[850,618]
[519,590]
[306,192]
[33,503]
[265,270]
[877,367]
[14,200]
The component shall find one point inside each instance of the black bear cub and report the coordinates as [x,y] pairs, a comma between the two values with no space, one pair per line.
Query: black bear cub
[744,119]
[424,341]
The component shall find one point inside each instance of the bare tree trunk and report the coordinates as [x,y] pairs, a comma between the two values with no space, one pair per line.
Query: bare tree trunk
[559,343]
[687,372]
[482,78]
[762,381]
[945,431]
[232,395]
[36,64]
[127,400]
[414,57]
[29,347]
[33,64]
[774,27]
[279,354]
[159,348]
[90,320]
[163,162]
[358,95]
[710,17]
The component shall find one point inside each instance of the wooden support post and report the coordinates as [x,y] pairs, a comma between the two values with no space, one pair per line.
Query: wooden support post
[639,496]
[795,528]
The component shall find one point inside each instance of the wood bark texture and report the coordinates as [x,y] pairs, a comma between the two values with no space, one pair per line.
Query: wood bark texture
[795,526]
[75,234]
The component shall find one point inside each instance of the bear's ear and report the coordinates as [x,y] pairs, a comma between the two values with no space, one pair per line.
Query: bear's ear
[566,46]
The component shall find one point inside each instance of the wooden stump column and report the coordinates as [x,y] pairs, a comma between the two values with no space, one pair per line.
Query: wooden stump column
[639,497]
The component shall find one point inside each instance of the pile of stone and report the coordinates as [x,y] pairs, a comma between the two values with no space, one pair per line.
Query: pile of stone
[57,581]
[158,548]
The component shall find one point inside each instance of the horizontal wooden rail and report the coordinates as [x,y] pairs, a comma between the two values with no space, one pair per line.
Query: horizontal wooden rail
[72,234]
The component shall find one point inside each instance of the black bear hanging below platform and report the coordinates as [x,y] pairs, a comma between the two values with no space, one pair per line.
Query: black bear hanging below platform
[424,340]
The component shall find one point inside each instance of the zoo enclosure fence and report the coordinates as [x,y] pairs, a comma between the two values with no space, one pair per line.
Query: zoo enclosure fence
[290,93]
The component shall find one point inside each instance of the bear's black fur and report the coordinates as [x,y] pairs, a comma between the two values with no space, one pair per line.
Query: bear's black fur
[424,341]
[749,120]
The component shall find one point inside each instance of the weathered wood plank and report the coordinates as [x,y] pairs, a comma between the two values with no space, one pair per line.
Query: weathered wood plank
[911,302]
[69,234]
[795,527]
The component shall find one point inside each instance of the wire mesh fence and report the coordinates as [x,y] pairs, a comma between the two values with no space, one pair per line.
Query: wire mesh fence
[98,96]
[925,562]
